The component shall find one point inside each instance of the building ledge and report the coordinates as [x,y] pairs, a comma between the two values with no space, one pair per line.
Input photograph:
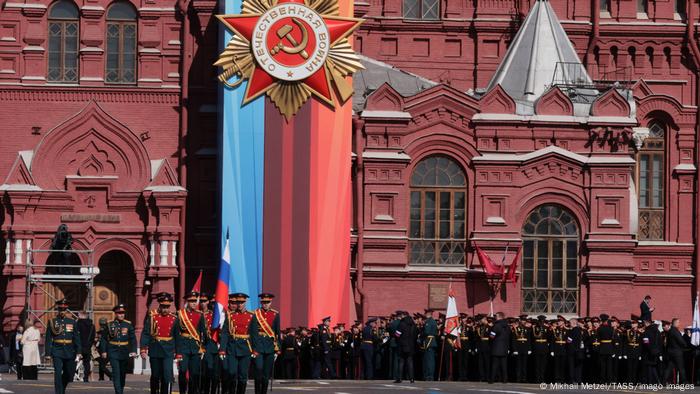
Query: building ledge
[397,156]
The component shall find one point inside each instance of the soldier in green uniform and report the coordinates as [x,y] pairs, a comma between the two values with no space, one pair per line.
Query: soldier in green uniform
[63,344]
[190,336]
[118,344]
[158,343]
[430,332]
[264,334]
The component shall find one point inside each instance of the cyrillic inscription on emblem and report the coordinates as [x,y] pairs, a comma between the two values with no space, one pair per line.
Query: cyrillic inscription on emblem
[290,42]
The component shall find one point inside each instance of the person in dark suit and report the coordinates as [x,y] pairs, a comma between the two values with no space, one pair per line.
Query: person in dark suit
[575,351]
[407,335]
[646,308]
[500,341]
[87,338]
[675,346]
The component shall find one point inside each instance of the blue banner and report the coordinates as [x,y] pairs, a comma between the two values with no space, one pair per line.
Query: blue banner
[241,158]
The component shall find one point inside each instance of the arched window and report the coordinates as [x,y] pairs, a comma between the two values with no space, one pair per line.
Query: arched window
[63,42]
[550,261]
[120,66]
[437,232]
[651,182]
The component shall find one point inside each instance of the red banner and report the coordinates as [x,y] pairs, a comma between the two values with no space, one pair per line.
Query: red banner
[489,266]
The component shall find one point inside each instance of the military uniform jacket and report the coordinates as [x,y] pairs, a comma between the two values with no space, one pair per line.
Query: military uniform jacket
[521,340]
[190,333]
[540,342]
[392,327]
[633,343]
[483,344]
[62,338]
[430,332]
[605,336]
[119,340]
[324,340]
[559,341]
[235,334]
[574,341]
[289,348]
[210,344]
[158,335]
[265,331]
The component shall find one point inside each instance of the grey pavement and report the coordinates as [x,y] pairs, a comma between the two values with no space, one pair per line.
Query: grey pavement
[139,384]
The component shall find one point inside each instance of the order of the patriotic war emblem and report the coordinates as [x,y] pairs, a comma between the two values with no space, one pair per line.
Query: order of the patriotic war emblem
[290,50]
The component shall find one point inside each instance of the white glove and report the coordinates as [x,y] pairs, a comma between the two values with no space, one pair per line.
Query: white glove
[476,350]
[132,355]
[620,358]
[529,352]
[640,358]
[661,358]
[625,357]
[551,353]
[515,353]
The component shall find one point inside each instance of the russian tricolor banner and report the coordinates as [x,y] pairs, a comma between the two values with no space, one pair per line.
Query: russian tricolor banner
[286,197]
[222,286]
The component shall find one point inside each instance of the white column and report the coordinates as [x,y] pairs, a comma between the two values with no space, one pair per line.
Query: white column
[152,254]
[163,252]
[174,253]
[18,251]
[7,252]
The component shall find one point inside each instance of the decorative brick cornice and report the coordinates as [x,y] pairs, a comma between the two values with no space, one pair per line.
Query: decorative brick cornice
[79,94]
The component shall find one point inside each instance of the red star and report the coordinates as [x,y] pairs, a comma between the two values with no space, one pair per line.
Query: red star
[260,81]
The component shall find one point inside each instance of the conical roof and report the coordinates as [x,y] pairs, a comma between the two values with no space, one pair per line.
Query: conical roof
[530,64]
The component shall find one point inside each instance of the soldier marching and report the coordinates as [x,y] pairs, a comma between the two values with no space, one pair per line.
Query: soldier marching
[118,345]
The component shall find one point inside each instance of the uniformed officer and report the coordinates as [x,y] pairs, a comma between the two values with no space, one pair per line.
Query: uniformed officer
[483,348]
[119,345]
[367,349]
[633,350]
[265,333]
[158,343]
[464,347]
[540,347]
[190,337]
[558,349]
[521,348]
[326,343]
[605,352]
[236,348]
[211,364]
[63,344]
[430,332]
[290,353]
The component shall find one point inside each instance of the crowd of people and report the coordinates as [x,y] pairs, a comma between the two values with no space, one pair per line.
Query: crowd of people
[597,349]
[402,346]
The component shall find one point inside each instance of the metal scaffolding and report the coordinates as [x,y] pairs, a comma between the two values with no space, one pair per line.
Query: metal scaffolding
[67,275]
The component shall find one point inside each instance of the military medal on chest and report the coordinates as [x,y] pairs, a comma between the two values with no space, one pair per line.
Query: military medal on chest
[290,50]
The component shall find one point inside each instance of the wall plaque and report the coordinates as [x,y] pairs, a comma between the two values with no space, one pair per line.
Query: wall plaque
[437,296]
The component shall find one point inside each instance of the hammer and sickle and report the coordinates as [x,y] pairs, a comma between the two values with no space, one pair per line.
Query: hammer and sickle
[299,47]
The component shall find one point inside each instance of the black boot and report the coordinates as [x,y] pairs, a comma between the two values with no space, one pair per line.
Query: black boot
[263,386]
[257,386]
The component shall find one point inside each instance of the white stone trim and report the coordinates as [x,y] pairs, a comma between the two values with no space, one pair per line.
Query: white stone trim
[519,158]
[152,254]
[685,167]
[18,251]
[7,252]
[174,253]
[385,114]
[386,155]
[556,118]
[164,253]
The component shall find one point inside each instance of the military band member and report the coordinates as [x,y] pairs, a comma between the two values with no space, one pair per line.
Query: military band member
[190,335]
[367,349]
[558,349]
[633,350]
[483,349]
[158,343]
[118,345]
[540,347]
[521,348]
[464,346]
[326,343]
[211,365]
[264,333]
[606,349]
[63,344]
[236,349]
[430,332]
[290,353]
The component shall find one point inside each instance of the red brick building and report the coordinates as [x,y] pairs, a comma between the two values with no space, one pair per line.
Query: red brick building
[506,140]
[466,133]
[107,107]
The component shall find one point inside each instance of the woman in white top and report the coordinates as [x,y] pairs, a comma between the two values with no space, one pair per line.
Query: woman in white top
[30,351]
